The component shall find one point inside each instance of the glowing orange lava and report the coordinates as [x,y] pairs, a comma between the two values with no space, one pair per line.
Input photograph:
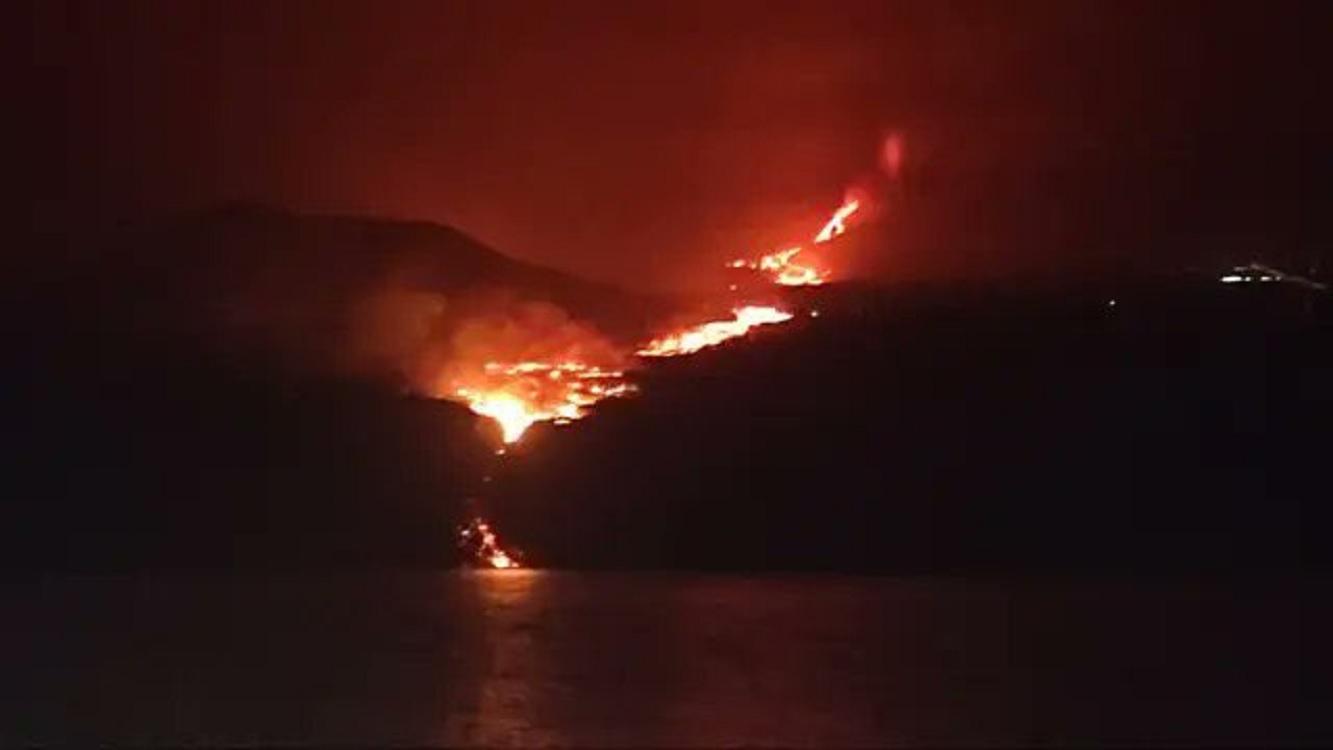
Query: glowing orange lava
[782,266]
[553,378]
[478,538]
[837,225]
[713,332]
[518,395]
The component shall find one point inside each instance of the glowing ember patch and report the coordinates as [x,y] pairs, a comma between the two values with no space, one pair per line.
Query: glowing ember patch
[779,260]
[518,395]
[782,266]
[797,275]
[480,541]
[714,332]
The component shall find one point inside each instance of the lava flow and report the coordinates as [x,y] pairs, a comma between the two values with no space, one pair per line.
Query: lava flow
[713,332]
[837,225]
[521,394]
[782,266]
[478,537]
[518,394]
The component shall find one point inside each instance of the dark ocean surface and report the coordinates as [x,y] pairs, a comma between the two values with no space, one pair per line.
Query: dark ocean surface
[530,658]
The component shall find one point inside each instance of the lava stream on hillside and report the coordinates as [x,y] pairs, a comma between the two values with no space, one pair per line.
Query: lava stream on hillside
[518,394]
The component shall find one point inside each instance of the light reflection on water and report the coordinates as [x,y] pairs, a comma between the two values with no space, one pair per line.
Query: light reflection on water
[530,657]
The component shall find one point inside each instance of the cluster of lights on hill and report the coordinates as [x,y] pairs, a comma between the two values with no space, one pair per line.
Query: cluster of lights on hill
[1264,274]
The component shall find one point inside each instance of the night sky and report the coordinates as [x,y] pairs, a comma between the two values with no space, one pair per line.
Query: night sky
[645,143]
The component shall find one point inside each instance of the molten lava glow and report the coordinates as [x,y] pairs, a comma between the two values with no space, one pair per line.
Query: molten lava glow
[782,269]
[788,273]
[837,225]
[478,538]
[782,266]
[509,411]
[518,395]
[713,332]
[537,365]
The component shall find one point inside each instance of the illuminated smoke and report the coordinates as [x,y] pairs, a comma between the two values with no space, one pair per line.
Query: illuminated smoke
[891,155]
[517,363]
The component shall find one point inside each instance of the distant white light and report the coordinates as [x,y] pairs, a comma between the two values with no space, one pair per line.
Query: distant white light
[1267,278]
[1110,303]
[814,313]
[1232,278]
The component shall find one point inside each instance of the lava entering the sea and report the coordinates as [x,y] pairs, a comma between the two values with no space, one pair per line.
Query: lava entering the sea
[478,538]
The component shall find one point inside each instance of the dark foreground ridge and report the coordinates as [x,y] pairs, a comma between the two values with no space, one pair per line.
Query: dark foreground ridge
[966,430]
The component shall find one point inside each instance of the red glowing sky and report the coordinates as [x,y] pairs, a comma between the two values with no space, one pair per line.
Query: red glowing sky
[647,143]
